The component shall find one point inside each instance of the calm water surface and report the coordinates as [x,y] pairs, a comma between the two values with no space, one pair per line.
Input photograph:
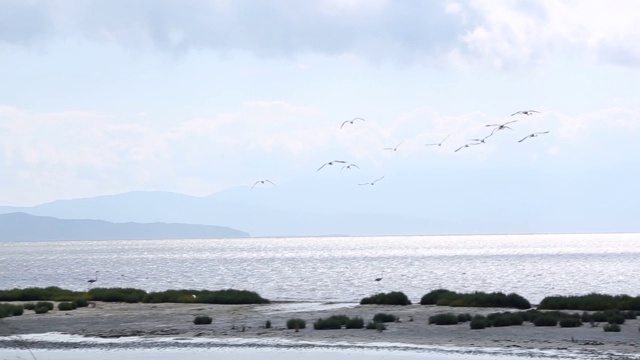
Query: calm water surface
[340,269]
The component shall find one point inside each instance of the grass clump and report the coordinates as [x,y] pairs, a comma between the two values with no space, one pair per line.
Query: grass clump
[52,293]
[229,296]
[29,306]
[504,319]
[611,328]
[478,322]
[545,320]
[45,304]
[128,295]
[462,318]
[392,298]
[384,318]
[355,323]
[296,324]
[374,325]
[41,309]
[202,320]
[66,306]
[443,297]
[7,310]
[327,324]
[570,322]
[443,319]
[81,303]
[591,302]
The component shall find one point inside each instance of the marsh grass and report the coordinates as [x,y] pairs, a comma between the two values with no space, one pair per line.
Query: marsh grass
[373,325]
[7,310]
[384,318]
[229,296]
[591,302]
[444,319]
[443,297]
[611,328]
[52,293]
[66,306]
[327,324]
[392,298]
[296,323]
[355,323]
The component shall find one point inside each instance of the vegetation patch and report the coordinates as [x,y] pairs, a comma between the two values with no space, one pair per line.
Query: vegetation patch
[229,296]
[443,297]
[296,324]
[444,319]
[52,293]
[44,304]
[392,298]
[202,320]
[267,324]
[591,302]
[384,318]
[41,309]
[355,323]
[66,306]
[611,328]
[478,322]
[570,322]
[327,324]
[374,325]
[7,310]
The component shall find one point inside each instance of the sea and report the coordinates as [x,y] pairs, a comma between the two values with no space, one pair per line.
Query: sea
[336,269]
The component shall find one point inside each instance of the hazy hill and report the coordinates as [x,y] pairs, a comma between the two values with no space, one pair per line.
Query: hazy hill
[25,227]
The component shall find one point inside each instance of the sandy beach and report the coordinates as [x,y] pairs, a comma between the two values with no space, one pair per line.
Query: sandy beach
[246,322]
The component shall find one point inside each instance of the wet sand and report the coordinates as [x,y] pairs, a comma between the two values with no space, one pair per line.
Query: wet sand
[246,322]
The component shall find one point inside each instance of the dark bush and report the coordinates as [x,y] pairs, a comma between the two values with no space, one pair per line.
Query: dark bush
[47,304]
[128,295]
[81,302]
[372,325]
[545,320]
[267,324]
[444,297]
[41,309]
[229,296]
[202,320]
[478,322]
[392,298]
[629,315]
[464,317]
[611,328]
[29,306]
[616,319]
[505,319]
[52,293]
[66,306]
[7,310]
[591,302]
[384,318]
[443,319]
[296,323]
[599,316]
[355,323]
[570,322]
[327,324]
[340,318]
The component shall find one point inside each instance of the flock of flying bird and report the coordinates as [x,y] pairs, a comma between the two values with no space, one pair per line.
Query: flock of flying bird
[496,128]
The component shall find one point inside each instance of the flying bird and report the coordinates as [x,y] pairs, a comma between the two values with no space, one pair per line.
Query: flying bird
[440,143]
[482,141]
[331,163]
[262,182]
[499,127]
[351,121]
[466,146]
[532,135]
[525,112]
[349,167]
[373,182]
[394,148]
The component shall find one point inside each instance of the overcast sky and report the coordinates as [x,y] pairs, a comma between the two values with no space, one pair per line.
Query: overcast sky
[104,97]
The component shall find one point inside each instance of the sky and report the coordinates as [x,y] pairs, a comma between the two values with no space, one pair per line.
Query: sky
[198,97]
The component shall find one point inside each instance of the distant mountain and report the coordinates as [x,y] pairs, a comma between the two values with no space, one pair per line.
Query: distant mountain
[25,227]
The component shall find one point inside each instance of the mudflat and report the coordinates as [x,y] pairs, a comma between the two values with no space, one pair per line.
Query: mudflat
[171,320]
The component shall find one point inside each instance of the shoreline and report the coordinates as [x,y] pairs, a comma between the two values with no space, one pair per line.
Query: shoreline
[168,325]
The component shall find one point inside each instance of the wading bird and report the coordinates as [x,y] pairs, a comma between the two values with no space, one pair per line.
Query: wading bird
[91,281]
[394,148]
[440,143]
[351,121]
[373,182]
[532,135]
[525,112]
[349,167]
[331,163]
[262,182]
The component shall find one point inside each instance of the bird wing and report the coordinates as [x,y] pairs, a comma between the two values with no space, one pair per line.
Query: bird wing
[399,144]
[458,149]
[344,123]
[256,183]
[540,133]
[517,112]
[358,118]
[509,122]
[364,184]
[270,182]
[431,144]
[339,161]
[492,125]
[524,138]
[354,165]
[533,111]
[387,148]
[445,139]
[379,179]
[320,168]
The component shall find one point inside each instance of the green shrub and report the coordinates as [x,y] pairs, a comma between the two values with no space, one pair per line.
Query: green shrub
[47,304]
[570,322]
[611,328]
[444,297]
[229,296]
[296,323]
[29,306]
[443,319]
[464,317]
[327,324]
[52,293]
[7,310]
[599,316]
[267,324]
[629,315]
[392,298]
[66,306]
[478,322]
[41,309]
[128,295]
[342,319]
[616,319]
[545,320]
[373,325]
[384,318]
[591,302]
[202,320]
[355,323]
[81,302]
[506,320]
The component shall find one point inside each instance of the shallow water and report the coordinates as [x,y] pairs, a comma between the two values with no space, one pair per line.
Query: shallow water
[340,269]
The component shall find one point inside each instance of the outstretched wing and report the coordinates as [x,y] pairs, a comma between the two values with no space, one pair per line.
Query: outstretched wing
[458,149]
[358,118]
[379,179]
[323,165]
[540,133]
[344,123]
[517,112]
[270,182]
[254,185]
[524,138]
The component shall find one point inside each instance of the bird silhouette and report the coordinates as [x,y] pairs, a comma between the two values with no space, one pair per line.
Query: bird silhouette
[498,127]
[351,121]
[440,143]
[331,163]
[262,182]
[482,141]
[349,167]
[466,146]
[91,281]
[394,148]
[525,112]
[373,182]
[533,135]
